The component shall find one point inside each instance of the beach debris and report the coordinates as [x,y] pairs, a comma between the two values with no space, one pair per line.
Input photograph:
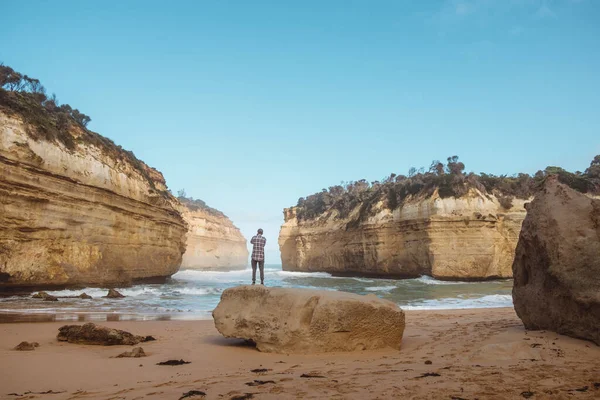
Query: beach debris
[258,383]
[596,385]
[44,296]
[244,396]
[192,393]
[135,353]
[457,398]
[173,362]
[311,375]
[91,333]
[260,370]
[426,374]
[527,394]
[30,392]
[113,294]
[534,345]
[581,389]
[26,346]
[428,362]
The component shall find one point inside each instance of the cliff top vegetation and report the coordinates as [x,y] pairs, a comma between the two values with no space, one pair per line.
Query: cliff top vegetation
[197,204]
[449,179]
[26,97]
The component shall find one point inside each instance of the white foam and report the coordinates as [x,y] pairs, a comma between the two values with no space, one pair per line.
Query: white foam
[487,301]
[428,280]
[199,291]
[380,288]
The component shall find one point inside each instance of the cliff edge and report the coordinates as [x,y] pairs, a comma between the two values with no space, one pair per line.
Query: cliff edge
[75,209]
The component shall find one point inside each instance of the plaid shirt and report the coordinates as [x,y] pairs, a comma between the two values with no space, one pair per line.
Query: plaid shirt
[258,251]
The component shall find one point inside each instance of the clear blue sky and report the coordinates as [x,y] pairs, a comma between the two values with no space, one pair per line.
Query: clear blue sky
[250,105]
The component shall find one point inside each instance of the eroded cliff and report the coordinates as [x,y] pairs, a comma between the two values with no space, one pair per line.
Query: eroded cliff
[213,242]
[77,209]
[469,237]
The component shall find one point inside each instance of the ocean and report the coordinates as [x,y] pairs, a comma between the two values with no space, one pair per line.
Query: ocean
[191,294]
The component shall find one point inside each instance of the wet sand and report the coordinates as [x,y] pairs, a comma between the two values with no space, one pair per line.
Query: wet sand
[454,354]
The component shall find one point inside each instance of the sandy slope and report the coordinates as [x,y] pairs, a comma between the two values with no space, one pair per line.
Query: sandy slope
[483,354]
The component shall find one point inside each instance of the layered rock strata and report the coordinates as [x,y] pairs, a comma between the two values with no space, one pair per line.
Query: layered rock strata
[87,213]
[283,320]
[471,237]
[213,242]
[557,263]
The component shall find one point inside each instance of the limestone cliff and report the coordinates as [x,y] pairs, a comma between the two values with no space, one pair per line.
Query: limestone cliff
[77,209]
[466,237]
[213,242]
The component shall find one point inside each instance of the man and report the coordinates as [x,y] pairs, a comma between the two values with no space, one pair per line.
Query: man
[258,256]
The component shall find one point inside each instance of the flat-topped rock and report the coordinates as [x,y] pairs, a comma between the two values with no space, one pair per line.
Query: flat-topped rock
[282,320]
[557,263]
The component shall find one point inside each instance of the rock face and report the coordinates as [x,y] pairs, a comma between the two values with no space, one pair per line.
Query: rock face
[557,263]
[85,213]
[213,242]
[93,334]
[282,320]
[467,238]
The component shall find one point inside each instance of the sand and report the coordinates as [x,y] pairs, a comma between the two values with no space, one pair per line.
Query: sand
[454,354]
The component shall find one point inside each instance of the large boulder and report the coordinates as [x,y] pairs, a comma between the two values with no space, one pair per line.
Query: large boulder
[282,320]
[557,263]
[94,334]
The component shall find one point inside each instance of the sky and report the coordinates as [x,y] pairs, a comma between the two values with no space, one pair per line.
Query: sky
[249,105]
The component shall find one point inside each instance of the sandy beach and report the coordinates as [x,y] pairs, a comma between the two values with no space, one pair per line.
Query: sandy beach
[454,354]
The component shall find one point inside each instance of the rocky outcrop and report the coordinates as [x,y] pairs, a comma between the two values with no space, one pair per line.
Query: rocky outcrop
[471,237]
[282,320]
[213,242]
[557,263]
[77,209]
[99,335]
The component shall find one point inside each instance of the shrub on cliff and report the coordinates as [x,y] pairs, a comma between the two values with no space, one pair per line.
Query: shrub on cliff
[197,204]
[46,119]
[448,179]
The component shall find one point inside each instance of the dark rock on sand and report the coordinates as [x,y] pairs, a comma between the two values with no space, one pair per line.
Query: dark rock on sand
[93,334]
[173,362]
[113,294]
[192,393]
[557,263]
[135,353]
[27,346]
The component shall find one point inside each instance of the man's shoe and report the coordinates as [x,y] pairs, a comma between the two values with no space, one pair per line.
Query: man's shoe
[262,283]
[253,283]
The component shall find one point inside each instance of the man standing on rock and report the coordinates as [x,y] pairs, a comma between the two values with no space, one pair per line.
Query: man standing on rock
[258,256]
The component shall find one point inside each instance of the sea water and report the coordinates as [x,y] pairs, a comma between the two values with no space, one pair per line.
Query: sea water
[191,294]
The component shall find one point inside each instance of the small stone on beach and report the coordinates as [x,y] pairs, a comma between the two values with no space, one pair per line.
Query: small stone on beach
[27,346]
[135,353]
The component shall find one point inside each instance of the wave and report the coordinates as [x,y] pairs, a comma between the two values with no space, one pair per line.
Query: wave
[453,303]
[380,288]
[428,280]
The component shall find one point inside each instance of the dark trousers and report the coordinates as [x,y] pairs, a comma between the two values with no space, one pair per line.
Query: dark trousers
[261,265]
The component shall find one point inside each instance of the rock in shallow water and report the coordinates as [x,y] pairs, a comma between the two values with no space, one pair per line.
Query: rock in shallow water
[113,294]
[557,263]
[282,320]
[93,334]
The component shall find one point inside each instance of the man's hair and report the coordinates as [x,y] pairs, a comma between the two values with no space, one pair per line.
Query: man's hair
[260,231]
